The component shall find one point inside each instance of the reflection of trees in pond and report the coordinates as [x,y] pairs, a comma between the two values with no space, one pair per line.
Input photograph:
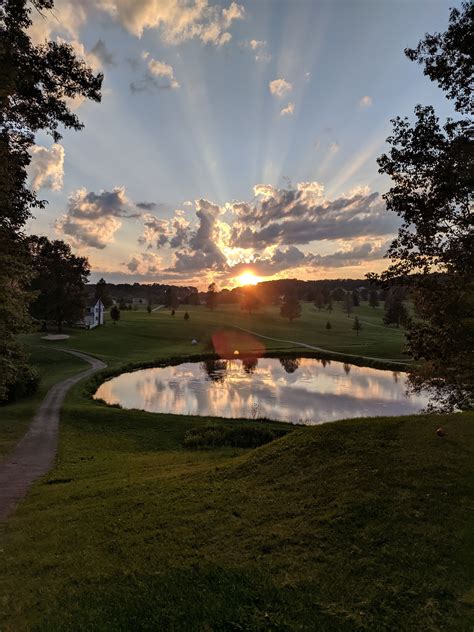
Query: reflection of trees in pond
[290,364]
[325,363]
[347,368]
[396,376]
[249,364]
[215,369]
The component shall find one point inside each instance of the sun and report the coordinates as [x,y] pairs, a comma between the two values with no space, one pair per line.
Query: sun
[248,278]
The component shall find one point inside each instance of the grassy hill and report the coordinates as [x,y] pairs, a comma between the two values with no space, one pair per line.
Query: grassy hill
[353,525]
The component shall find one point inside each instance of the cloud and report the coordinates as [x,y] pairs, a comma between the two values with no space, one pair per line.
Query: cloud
[146,206]
[144,264]
[46,169]
[365,102]
[177,21]
[334,148]
[259,49]
[303,215]
[100,51]
[279,87]
[292,258]
[92,219]
[159,75]
[288,111]
[203,246]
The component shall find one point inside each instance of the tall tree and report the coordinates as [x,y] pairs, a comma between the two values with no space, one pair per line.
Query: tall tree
[102,293]
[115,314]
[357,325]
[250,302]
[291,307]
[373,299]
[59,282]
[348,303]
[37,82]
[431,165]
[211,296]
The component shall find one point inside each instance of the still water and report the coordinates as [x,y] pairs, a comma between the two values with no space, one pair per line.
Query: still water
[304,390]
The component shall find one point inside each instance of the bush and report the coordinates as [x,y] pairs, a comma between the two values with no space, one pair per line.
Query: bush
[26,384]
[214,436]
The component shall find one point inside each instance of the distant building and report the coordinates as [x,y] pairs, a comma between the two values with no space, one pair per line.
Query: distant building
[93,315]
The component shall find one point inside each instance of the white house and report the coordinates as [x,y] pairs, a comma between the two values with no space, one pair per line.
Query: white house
[93,315]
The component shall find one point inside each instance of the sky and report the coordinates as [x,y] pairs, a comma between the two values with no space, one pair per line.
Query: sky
[232,138]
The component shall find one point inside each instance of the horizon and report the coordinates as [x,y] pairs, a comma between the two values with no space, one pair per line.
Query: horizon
[237,139]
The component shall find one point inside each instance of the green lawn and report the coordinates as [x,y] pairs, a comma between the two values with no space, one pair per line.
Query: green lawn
[354,525]
[140,336]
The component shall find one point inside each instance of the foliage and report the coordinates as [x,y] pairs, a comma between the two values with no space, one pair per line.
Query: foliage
[250,302]
[449,57]
[243,436]
[36,83]
[290,308]
[348,303]
[395,310]
[212,296]
[59,282]
[102,293]
[357,326]
[328,325]
[115,314]
[186,315]
[373,299]
[431,165]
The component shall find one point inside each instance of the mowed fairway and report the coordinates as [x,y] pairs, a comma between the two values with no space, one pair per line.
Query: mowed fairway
[140,336]
[354,525]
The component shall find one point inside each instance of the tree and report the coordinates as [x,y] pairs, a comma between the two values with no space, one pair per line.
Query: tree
[186,316]
[329,305]
[355,298]
[59,282]
[431,165]
[115,314]
[319,300]
[211,297]
[173,312]
[102,293]
[290,307]
[348,303]
[357,325]
[172,301]
[149,308]
[373,299]
[338,294]
[395,311]
[37,82]
[250,302]
[328,325]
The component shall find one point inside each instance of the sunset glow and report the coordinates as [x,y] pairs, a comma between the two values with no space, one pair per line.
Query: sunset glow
[248,278]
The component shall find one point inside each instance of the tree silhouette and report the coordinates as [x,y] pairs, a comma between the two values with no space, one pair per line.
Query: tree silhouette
[102,293]
[115,314]
[211,296]
[290,307]
[357,326]
[36,84]
[431,165]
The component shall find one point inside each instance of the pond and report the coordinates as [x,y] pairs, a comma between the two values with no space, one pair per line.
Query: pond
[298,390]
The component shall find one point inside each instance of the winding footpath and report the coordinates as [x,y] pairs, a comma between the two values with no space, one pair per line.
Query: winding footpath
[34,454]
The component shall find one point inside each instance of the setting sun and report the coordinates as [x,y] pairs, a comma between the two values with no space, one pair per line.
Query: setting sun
[248,278]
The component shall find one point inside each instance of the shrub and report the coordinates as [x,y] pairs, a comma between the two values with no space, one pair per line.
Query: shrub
[26,384]
[213,436]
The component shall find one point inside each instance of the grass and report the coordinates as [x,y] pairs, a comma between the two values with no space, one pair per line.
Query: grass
[354,525]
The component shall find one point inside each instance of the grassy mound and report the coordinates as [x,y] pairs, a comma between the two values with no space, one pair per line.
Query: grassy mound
[218,435]
[358,525]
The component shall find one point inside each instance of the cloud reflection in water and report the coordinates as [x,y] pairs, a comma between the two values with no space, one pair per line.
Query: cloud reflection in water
[303,390]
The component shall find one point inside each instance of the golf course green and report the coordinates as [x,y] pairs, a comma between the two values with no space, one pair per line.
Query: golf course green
[145,523]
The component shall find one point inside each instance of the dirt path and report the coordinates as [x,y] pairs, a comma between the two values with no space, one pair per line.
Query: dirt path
[34,454]
[320,349]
